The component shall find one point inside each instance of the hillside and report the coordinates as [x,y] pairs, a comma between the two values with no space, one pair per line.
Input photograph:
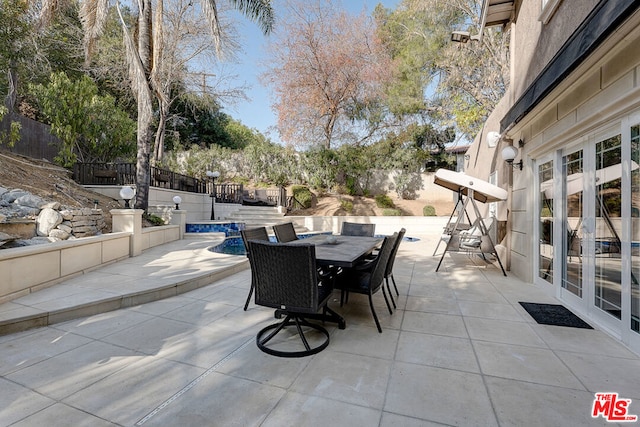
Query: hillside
[365,206]
[50,182]
[54,183]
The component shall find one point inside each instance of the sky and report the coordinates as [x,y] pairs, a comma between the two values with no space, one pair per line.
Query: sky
[256,113]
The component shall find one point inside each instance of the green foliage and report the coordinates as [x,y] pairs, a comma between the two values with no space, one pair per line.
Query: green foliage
[391,212]
[384,201]
[447,83]
[90,127]
[197,161]
[153,219]
[14,33]
[428,210]
[320,165]
[198,121]
[347,205]
[13,136]
[270,163]
[303,195]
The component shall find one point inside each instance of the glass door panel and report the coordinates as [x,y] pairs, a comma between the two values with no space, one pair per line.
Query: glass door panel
[573,189]
[545,218]
[635,228]
[608,226]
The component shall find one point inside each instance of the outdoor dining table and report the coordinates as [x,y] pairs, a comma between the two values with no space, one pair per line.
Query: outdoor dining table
[346,252]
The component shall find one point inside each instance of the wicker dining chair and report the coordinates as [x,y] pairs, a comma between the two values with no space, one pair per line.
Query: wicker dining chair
[357,229]
[259,233]
[285,232]
[368,277]
[286,279]
[388,272]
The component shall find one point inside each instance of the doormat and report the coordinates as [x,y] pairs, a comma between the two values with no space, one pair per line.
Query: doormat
[554,314]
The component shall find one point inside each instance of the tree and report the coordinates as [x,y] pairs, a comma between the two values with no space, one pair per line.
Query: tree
[90,126]
[327,70]
[144,54]
[439,81]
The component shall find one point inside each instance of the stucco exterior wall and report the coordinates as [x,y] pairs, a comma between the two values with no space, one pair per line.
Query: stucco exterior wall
[533,44]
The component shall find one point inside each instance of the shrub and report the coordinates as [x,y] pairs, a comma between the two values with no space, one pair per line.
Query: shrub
[347,205]
[428,211]
[392,212]
[153,219]
[384,201]
[303,195]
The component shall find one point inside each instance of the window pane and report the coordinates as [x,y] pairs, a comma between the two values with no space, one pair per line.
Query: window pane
[546,191]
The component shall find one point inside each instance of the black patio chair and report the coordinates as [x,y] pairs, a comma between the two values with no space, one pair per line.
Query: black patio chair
[286,279]
[259,233]
[388,272]
[357,229]
[368,278]
[285,232]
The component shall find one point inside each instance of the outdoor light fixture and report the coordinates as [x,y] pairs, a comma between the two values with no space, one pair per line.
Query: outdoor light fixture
[509,153]
[213,175]
[126,194]
[463,36]
[177,200]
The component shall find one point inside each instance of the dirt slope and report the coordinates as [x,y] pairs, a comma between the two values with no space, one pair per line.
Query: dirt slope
[363,206]
[50,182]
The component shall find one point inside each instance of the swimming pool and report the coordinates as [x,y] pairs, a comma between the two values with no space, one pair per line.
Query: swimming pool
[228,228]
[234,246]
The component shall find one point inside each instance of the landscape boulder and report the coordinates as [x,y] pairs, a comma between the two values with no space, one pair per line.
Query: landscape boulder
[31,201]
[48,219]
[12,195]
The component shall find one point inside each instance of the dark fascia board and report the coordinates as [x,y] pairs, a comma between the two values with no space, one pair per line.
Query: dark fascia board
[603,20]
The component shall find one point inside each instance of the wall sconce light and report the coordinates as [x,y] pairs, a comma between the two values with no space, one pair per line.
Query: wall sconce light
[463,36]
[509,153]
[177,200]
[492,138]
[126,194]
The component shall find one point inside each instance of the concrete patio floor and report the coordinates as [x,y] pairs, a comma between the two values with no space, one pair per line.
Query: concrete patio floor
[459,350]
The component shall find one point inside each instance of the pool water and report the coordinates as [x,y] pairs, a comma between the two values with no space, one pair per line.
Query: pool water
[235,246]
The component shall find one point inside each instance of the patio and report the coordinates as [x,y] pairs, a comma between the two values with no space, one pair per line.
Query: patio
[459,350]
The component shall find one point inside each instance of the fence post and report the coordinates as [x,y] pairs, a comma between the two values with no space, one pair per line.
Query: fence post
[129,220]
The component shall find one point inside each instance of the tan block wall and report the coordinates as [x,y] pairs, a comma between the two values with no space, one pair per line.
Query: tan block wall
[80,258]
[56,262]
[155,236]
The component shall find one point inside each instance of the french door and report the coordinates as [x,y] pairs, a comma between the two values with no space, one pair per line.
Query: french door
[588,224]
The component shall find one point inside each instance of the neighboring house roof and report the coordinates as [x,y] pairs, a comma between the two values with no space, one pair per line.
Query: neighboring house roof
[496,12]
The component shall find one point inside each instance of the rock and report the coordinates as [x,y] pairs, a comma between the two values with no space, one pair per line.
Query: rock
[24,212]
[65,227]
[30,200]
[12,195]
[3,190]
[67,215]
[52,205]
[6,238]
[36,241]
[3,218]
[48,219]
[59,234]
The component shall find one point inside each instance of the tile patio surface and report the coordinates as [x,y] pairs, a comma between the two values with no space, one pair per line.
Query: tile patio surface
[459,350]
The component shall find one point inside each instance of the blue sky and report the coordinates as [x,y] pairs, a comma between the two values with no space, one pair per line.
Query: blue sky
[256,112]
